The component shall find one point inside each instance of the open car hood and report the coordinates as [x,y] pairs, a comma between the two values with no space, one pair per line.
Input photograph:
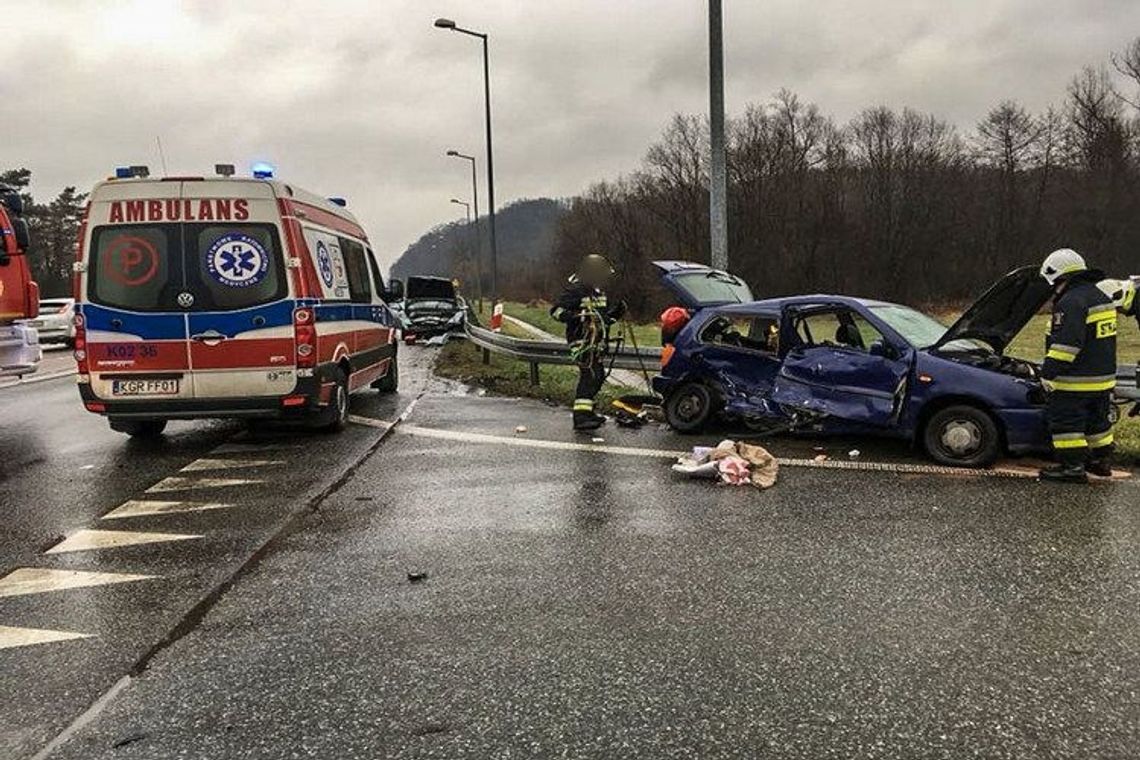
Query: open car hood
[434,288]
[699,286]
[1002,311]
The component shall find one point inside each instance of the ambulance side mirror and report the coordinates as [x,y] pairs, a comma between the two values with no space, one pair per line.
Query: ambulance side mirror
[395,291]
[23,237]
[14,202]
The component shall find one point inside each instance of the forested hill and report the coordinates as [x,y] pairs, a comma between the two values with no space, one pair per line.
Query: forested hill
[526,231]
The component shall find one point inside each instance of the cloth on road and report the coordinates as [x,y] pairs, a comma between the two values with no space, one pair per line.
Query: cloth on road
[731,462]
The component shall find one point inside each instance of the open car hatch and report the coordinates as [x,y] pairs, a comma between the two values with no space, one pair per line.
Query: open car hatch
[1002,311]
[698,286]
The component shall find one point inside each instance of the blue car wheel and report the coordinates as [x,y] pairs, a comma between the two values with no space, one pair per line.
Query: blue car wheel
[962,436]
[689,407]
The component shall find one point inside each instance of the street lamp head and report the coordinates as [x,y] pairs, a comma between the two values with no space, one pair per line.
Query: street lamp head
[456,200]
[445,23]
[453,153]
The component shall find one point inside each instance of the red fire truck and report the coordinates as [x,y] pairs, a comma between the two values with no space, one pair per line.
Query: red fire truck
[19,296]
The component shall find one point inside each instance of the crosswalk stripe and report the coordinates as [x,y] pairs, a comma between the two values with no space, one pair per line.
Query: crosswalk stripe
[11,636]
[190,484]
[228,464]
[86,540]
[39,580]
[239,447]
[140,507]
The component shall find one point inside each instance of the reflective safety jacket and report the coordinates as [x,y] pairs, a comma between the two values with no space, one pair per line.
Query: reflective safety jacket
[1081,347]
[585,312]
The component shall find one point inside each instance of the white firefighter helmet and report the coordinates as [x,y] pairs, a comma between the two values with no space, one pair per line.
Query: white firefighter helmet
[1061,263]
[1122,293]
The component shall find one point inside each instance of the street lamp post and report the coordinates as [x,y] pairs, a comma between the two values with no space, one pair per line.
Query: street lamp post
[445,23]
[478,237]
[478,267]
[718,180]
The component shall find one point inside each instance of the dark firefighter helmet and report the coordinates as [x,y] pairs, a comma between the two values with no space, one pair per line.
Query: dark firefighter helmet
[595,270]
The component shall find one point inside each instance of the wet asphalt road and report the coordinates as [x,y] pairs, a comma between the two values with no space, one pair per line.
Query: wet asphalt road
[577,603]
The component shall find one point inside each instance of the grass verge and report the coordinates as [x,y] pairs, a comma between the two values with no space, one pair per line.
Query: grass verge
[461,360]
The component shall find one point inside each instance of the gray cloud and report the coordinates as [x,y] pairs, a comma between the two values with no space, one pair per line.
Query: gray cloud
[361,98]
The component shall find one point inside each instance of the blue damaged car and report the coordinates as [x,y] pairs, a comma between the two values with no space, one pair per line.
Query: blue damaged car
[836,364]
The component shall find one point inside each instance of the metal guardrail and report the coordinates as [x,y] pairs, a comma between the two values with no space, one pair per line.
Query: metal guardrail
[537,352]
[1127,380]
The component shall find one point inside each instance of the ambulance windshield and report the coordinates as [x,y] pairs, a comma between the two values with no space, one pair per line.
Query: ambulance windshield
[221,267]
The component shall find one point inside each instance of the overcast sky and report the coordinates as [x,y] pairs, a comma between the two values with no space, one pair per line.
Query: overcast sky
[362,98]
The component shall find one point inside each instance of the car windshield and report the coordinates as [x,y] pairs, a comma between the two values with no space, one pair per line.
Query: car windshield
[708,287]
[920,330]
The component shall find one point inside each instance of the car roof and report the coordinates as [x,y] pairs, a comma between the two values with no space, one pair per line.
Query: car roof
[775,305]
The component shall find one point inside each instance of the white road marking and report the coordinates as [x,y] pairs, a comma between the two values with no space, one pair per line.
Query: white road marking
[138,507]
[39,580]
[191,484]
[533,443]
[22,637]
[86,540]
[253,447]
[368,421]
[228,464]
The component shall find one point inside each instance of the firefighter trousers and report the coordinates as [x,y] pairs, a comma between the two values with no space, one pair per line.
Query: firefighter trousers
[1080,426]
[591,376]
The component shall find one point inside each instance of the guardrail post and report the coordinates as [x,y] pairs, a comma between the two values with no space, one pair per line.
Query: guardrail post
[534,374]
[486,356]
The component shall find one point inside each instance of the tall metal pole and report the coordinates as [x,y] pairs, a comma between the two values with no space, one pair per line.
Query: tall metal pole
[478,237]
[446,23]
[718,181]
[474,247]
[490,173]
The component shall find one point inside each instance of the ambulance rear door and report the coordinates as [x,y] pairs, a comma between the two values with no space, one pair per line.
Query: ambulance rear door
[240,324]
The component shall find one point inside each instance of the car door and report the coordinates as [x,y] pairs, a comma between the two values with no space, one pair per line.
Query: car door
[136,329]
[240,321]
[831,369]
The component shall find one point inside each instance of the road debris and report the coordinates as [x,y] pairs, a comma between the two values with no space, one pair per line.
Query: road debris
[520,429]
[854,454]
[415,576]
[597,440]
[732,463]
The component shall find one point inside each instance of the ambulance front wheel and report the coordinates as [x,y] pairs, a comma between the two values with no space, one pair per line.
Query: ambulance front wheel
[390,383]
[138,428]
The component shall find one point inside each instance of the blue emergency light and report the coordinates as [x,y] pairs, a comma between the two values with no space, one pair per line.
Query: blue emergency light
[262,170]
[339,202]
[123,172]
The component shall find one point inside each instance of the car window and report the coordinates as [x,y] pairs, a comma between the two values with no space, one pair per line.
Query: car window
[377,280]
[840,327]
[359,287]
[233,266]
[135,267]
[753,333]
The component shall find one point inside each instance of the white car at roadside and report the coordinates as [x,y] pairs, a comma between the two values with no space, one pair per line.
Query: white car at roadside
[56,321]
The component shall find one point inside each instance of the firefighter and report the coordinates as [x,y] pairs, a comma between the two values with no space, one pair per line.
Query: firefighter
[584,309]
[1123,295]
[1079,369]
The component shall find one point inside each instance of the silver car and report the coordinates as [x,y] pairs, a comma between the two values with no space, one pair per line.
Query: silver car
[55,323]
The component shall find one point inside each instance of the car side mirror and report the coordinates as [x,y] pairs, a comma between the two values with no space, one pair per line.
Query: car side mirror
[883,349]
[395,290]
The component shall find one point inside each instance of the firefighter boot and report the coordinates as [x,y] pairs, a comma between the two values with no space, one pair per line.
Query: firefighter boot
[1065,472]
[587,421]
[1100,464]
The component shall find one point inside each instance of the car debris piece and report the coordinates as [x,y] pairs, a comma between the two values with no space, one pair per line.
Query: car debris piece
[730,462]
[415,576]
[854,453]
[520,429]
[597,440]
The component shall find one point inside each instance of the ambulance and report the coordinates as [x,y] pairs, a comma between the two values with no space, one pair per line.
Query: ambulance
[226,297]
